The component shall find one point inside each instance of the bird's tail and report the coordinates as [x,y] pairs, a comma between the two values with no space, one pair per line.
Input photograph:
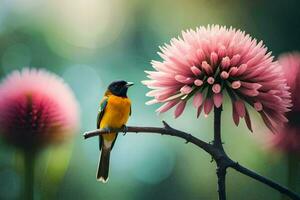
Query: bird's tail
[103,166]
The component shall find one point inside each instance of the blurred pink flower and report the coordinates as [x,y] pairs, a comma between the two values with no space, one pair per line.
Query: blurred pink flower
[205,63]
[36,108]
[288,139]
[290,63]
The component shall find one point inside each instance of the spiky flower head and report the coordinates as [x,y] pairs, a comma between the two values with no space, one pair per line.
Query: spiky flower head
[36,108]
[205,64]
[288,138]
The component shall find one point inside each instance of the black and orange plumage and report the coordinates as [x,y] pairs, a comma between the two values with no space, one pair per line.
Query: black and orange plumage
[114,111]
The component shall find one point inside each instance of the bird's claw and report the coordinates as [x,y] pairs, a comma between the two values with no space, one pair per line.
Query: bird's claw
[125,129]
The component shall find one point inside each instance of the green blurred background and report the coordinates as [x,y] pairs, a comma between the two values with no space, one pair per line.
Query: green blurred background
[92,42]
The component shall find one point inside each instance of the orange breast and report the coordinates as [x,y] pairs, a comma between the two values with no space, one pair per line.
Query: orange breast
[116,114]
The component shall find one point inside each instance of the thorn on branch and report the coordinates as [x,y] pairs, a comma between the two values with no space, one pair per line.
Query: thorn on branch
[188,139]
[166,125]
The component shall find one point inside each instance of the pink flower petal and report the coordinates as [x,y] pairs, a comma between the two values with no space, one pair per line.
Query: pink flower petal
[196,71]
[233,71]
[210,80]
[242,68]
[198,82]
[199,110]
[235,115]
[240,108]
[250,93]
[200,54]
[175,96]
[251,86]
[225,63]
[198,98]
[179,108]
[216,88]
[213,58]
[186,89]
[258,106]
[268,122]
[151,102]
[218,99]
[222,51]
[224,75]
[167,106]
[236,84]
[208,105]
[207,68]
[235,59]
[183,79]
[248,121]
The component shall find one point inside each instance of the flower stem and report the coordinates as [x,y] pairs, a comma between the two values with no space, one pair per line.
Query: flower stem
[292,173]
[221,173]
[221,166]
[217,128]
[29,162]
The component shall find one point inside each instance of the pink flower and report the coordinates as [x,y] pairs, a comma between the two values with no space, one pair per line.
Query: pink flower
[288,139]
[291,67]
[206,63]
[36,108]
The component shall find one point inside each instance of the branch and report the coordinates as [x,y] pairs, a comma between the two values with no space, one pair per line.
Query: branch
[209,148]
[166,130]
[262,179]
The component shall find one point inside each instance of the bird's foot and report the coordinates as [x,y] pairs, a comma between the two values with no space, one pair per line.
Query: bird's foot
[125,129]
[106,130]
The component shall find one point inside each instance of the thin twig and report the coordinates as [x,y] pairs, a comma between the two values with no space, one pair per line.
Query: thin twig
[209,148]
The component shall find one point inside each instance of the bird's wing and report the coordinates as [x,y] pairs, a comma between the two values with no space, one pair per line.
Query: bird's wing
[101,110]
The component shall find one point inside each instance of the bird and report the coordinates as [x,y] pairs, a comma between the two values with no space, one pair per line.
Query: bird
[113,113]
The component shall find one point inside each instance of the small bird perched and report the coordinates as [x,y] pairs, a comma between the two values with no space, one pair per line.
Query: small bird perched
[114,111]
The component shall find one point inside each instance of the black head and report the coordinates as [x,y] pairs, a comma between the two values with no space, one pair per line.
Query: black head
[119,88]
